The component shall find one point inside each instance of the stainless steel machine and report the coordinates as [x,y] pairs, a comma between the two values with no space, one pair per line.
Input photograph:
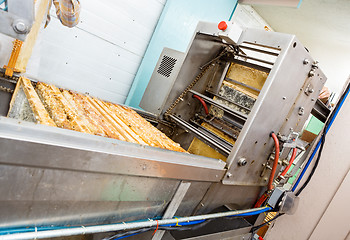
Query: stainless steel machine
[16,18]
[231,89]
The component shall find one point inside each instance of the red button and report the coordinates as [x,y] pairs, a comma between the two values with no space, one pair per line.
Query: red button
[222,25]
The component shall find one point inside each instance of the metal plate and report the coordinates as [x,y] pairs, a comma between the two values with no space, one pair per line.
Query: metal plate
[36,145]
[162,80]
[277,107]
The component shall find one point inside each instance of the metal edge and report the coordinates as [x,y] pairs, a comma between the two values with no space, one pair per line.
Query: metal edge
[133,159]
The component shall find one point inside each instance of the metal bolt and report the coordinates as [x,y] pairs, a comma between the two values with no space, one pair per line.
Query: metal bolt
[301,111]
[306,61]
[265,179]
[310,90]
[229,175]
[242,162]
[315,64]
[284,98]
[20,27]
[311,73]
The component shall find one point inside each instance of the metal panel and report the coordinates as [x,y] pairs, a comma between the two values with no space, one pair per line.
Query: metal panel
[37,145]
[102,53]
[34,196]
[162,80]
[18,19]
[278,107]
[173,206]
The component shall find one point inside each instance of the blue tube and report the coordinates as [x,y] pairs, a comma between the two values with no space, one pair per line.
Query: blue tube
[200,221]
[44,228]
[319,142]
[126,236]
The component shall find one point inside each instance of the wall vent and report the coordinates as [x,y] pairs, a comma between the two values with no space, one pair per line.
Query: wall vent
[166,66]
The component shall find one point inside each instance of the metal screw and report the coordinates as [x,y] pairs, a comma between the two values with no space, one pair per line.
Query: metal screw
[301,111]
[242,162]
[306,61]
[20,27]
[229,175]
[312,99]
[310,90]
[284,98]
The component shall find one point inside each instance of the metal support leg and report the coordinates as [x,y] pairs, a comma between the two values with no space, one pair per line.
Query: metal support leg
[173,206]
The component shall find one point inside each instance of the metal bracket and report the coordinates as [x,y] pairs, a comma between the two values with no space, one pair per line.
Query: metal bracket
[173,206]
[17,21]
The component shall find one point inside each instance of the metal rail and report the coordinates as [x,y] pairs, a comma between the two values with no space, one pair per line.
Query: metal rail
[237,115]
[208,139]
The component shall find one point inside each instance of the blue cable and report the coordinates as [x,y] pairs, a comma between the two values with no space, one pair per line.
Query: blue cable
[200,221]
[319,142]
[31,229]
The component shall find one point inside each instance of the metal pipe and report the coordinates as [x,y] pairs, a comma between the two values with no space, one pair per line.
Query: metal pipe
[126,226]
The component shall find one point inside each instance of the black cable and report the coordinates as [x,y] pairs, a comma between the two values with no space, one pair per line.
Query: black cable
[142,230]
[323,139]
[256,228]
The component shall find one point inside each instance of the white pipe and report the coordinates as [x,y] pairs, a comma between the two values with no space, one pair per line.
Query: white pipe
[119,226]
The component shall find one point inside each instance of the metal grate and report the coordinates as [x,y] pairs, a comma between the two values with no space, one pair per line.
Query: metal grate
[166,66]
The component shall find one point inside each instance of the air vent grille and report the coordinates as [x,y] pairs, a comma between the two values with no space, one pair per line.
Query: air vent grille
[166,66]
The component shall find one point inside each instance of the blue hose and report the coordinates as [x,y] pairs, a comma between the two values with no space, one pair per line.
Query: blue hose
[319,142]
[32,229]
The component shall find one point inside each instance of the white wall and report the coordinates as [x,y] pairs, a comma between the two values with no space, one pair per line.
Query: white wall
[102,54]
[323,212]
[246,16]
[324,28]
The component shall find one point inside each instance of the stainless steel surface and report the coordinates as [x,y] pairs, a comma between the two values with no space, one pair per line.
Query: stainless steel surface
[203,136]
[162,80]
[279,101]
[18,19]
[173,206]
[320,111]
[241,118]
[57,148]
[56,176]
[237,197]
[119,226]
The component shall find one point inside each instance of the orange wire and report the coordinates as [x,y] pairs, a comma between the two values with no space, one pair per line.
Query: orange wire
[294,153]
[277,155]
[156,228]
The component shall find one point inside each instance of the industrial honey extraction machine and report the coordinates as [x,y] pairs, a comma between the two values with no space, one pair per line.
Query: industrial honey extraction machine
[236,101]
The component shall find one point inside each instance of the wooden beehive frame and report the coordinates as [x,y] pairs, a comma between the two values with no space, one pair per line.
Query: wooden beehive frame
[66,109]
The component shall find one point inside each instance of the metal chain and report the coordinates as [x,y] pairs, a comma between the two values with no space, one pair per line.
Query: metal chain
[189,87]
[204,69]
[5,89]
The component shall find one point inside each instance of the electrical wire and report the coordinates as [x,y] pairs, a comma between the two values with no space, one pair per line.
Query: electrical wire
[320,144]
[261,200]
[275,163]
[202,102]
[256,228]
[263,197]
[294,153]
[193,225]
